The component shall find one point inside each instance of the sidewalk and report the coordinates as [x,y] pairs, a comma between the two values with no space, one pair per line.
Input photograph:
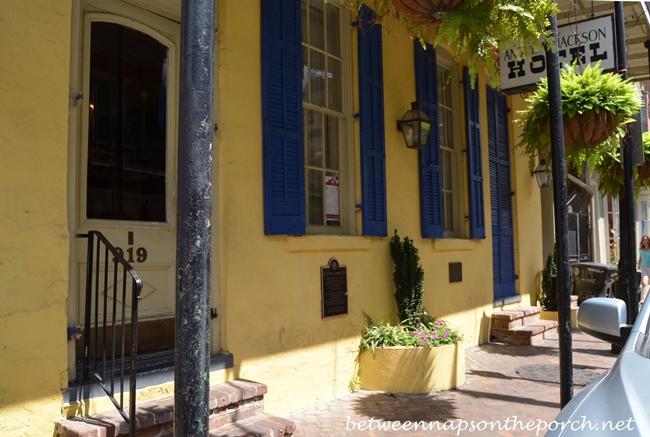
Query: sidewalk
[505,385]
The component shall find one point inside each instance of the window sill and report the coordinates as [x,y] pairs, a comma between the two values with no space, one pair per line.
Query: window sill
[326,243]
[453,244]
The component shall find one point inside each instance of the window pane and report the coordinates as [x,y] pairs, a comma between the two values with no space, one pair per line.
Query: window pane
[334,84]
[332,199]
[332,150]
[127,144]
[305,74]
[333,30]
[317,78]
[447,166]
[317,24]
[315,185]
[303,20]
[314,128]
[449,212]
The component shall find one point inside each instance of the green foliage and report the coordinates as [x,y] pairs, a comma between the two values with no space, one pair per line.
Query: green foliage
[478,28]
[581,92]
[355,383]
[607,164]
[549,284]
[410,333]
[408,277]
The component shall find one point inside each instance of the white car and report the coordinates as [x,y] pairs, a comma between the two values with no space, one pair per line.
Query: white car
[618,402]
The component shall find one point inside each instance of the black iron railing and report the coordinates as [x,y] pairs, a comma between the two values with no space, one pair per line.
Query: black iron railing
[111,327]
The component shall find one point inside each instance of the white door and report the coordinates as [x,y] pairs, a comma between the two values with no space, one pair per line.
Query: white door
[126,153]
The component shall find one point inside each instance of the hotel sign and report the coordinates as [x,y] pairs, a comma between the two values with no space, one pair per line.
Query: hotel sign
[588,41]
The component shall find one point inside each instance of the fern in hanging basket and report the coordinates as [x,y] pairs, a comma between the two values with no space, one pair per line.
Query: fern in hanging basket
[475,27]
[595,108]
[606,162]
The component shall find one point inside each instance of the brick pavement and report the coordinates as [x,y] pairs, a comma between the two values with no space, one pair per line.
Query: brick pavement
[493,392]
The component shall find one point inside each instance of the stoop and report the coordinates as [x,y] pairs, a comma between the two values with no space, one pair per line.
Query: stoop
[236,410]
[520,326]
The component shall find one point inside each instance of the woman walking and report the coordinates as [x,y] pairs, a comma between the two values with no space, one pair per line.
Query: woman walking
[644,265]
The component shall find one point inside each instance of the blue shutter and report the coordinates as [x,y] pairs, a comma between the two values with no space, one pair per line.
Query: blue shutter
[474,162]
[283,153]
[503,248]
[426,89]
[371,115]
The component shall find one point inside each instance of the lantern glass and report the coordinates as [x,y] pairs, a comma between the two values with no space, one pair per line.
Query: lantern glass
[416,127]
[543,174]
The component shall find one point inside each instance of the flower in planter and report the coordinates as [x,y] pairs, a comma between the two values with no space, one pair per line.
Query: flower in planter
[427,332]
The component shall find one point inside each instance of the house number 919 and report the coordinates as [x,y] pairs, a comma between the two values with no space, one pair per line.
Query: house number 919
[140,252]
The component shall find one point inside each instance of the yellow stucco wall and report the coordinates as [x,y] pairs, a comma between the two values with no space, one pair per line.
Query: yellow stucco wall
[271,292]
[34,236]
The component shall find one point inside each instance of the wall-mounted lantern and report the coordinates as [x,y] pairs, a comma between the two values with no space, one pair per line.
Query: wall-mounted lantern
[543,174]
[416,127]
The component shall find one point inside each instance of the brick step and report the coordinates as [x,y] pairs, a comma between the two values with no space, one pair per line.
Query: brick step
[528,334]
[231,403]
[510,319]
[261,425]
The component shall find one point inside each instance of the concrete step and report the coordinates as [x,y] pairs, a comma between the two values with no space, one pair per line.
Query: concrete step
[234,405]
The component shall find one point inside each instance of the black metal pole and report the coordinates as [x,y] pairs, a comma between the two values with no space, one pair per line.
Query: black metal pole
[561,221]
[192,352]
[627,263]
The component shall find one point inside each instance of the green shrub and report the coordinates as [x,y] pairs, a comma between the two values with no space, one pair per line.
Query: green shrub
[408,277]
[549,284]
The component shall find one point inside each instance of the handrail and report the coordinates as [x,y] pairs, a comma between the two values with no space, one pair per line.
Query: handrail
[107,362]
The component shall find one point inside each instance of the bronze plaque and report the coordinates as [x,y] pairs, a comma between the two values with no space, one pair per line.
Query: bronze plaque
[455,272]
[334,287]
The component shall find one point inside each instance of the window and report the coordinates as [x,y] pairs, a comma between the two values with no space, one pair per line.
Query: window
[127,138]
[442,185]
[324,117]
[307,116]
[450,149]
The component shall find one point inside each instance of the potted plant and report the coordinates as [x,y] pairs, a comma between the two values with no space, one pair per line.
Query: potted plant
[418,355]
[607,163]
[595,108]
[549,295]
[476,27]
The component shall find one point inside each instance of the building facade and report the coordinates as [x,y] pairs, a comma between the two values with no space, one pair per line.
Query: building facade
[307,166]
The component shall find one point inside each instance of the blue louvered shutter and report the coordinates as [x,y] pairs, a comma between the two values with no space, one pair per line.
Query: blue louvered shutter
[503,249]
[426,89]
[474,161]
[371,119]
[283,153]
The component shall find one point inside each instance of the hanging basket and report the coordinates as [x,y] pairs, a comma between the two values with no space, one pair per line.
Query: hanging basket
[589,129]
[426,11]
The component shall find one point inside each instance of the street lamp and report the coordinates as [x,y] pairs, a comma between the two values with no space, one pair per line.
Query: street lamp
[543,174]
[416,127]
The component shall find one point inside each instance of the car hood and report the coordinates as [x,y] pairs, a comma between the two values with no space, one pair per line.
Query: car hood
[616,404]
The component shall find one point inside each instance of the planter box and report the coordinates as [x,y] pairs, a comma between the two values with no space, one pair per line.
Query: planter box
[552,315]
[413,369]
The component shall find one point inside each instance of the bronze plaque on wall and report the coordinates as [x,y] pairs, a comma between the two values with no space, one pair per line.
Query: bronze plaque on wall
[334,289]
[455,272]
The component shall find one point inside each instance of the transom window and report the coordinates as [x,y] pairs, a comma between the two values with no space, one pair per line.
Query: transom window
[325,116]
